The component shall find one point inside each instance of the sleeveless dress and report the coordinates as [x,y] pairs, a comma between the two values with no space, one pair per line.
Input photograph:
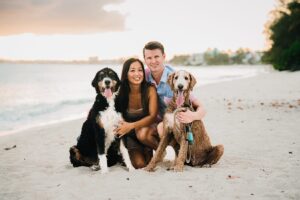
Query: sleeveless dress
[130,139]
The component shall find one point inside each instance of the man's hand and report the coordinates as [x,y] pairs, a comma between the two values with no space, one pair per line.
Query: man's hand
[186,117]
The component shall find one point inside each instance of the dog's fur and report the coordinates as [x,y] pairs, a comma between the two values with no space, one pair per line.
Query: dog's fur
[97,140]
[201,151]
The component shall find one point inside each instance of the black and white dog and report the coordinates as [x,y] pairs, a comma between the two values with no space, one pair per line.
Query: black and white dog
[97,142]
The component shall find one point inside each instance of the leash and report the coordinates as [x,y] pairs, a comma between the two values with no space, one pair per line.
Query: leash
[190,140]
[187,131]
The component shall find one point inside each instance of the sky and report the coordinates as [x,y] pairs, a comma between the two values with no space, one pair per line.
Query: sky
[110,29]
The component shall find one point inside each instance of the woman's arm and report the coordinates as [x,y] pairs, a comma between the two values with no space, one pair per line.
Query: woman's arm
[125,127]
[153,110]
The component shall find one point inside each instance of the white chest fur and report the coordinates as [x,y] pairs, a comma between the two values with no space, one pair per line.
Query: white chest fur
[110,119]
[171,119]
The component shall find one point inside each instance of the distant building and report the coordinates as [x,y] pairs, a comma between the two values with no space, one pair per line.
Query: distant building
[94,59]
[196,59]
[252,58]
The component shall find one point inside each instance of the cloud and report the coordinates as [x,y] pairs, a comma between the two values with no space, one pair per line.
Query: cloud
[58,17]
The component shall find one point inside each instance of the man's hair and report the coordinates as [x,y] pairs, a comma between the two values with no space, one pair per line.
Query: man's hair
[154,45]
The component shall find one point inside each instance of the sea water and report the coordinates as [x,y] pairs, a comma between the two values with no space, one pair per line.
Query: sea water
[39,94]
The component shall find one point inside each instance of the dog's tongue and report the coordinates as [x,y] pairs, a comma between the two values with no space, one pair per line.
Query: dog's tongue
[180,99]
[107,93]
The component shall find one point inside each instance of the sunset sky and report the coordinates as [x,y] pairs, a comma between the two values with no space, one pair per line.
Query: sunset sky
[78,29]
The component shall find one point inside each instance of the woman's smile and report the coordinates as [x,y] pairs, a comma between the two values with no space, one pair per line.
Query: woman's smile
[135,73]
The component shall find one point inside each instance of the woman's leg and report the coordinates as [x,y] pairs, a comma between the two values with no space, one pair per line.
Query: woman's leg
[148,136]
[137,158]
[160,128]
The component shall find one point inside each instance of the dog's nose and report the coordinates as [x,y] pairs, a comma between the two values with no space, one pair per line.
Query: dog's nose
[107,82]
[180,86]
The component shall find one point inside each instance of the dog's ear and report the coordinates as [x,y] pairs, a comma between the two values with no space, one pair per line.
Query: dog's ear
[192,82]
[118,80]
[95,83]
[170,80]
[95,80]
[117,77]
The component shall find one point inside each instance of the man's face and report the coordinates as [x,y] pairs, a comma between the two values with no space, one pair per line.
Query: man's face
[154,59]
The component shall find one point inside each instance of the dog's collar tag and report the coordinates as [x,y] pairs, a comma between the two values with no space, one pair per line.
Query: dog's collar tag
[190,137]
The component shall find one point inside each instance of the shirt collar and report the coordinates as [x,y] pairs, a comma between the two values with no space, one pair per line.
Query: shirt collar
[164,77]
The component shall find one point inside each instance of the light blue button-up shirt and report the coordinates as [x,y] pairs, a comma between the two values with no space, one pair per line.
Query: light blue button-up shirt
[163,89]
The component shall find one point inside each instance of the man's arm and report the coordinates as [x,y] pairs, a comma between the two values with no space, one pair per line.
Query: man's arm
[190,116]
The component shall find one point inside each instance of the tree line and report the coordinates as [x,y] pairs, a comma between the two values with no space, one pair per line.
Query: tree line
[219,57]
[283,36]
[283,32]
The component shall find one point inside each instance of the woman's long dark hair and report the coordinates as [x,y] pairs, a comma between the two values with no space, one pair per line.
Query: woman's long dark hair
[123,97]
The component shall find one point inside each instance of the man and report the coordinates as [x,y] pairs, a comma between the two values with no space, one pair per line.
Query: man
[157,73]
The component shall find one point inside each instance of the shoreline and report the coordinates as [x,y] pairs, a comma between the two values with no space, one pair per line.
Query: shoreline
[256,119]
[41,124]
[264,69]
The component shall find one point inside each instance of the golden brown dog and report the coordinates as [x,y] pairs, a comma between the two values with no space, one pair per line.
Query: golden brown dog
[199,152]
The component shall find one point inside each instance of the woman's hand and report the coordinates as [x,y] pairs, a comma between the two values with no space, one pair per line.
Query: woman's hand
[186,117]
[124,128]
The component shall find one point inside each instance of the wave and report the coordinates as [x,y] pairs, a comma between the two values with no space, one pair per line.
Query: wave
[21,111]
[12,117]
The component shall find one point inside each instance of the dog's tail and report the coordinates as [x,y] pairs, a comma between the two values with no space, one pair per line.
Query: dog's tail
[78,160]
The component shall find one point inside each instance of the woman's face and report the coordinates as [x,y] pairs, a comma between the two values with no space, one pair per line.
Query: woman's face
[135,73]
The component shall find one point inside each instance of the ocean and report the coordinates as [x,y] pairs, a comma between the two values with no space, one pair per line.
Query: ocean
[39,94]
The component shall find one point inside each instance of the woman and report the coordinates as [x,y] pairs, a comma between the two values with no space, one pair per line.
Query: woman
[138,103]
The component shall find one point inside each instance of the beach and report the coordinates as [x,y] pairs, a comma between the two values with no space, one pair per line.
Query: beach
[256,119]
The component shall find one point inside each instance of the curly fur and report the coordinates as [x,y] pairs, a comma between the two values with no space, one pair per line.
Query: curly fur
[202,152]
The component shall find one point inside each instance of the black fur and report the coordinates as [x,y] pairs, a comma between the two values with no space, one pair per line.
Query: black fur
[91,140]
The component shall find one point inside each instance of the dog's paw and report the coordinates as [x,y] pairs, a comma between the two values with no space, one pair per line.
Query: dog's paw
[95,167]
[206,166]
[104,170]
[149,168]
[178,168]
[131,169]
[171,168]
[171,165]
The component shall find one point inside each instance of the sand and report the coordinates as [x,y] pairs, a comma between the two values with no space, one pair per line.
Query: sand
[256,119]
